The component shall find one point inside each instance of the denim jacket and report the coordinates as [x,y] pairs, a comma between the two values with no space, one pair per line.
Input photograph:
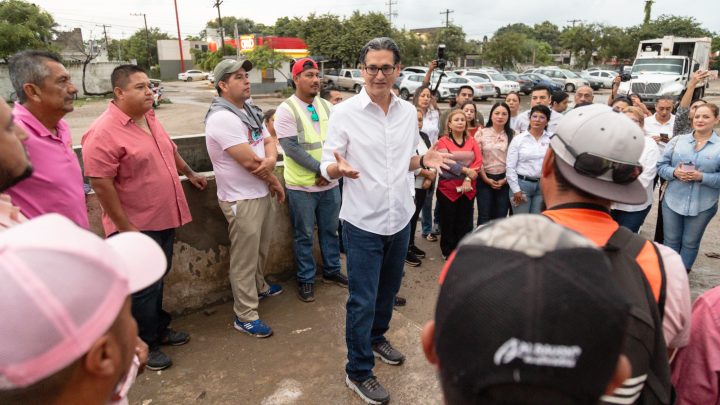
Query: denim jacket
[693,197]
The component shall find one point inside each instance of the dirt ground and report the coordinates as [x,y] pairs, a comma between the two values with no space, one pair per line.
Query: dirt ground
[303,363]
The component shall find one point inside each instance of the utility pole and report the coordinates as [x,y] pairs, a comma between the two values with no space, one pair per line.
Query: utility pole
[147,37]
[447,13]
[107,44]
[177,21]
[220,27]
[648,11]
[391,13]
[574,21]
[237,43]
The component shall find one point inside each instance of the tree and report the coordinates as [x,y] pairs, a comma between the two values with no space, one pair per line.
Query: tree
[412,48]
[286,27]
[582,40]
[616,42]
[359,29]
[505,49]
[454,39]
[23,26]
[245,26]
[549,33]
[263,57]
[136,46]
[518,28]
[671,25]
[323,35]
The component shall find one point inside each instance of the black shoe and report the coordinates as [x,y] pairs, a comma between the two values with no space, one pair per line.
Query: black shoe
[399,301]
[337,278]
[412,260]
[158,360]
[387,353]
[174,338]
[306,292]
[369,390]
[417,251]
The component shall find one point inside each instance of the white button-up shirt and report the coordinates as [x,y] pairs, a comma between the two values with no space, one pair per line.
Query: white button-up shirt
[654,128]
[522,123]
[525,157]
[379,147]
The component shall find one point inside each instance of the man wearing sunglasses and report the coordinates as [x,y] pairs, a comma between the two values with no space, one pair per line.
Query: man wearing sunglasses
[301,126]
[593,161]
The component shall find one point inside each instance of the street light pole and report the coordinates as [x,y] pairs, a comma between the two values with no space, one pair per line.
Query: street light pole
[147,37]
[177,21]
[220,27]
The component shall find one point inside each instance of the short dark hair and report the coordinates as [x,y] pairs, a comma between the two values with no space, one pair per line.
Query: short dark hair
[624,99]
[666,98]
[541,109]
[120,75]
[268,114]
[559,97]
[466,86]
[380,44]
[541,87]
[29,67]
[517,94]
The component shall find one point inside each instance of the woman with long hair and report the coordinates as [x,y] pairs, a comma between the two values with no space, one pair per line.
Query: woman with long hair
[493,192]
[524,162]
[691,165]
[513,101]
[424,100]
[456,187]
[470,110]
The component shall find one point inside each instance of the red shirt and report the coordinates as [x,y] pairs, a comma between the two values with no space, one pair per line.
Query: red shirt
[56,184]
[143,167]
[469,153]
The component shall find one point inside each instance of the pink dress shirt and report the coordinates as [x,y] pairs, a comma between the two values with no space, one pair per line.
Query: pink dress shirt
[143,166]
[57,183]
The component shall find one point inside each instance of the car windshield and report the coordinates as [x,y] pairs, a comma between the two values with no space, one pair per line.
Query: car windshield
[571,74]
[497,76]
[477,79]
[542,77]
[510,76]
[667,66]
[355,72]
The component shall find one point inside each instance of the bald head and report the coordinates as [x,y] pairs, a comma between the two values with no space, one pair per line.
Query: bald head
[584,95]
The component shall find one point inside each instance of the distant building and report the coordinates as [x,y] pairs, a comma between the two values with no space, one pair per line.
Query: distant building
[169,56]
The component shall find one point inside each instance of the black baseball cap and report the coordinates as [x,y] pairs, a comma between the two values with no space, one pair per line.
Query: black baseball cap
[525,301]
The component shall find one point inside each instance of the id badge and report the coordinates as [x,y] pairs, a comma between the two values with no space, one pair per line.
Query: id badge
[255,136]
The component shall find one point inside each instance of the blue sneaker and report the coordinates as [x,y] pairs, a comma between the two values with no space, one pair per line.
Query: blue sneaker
[275,289]
[255,328]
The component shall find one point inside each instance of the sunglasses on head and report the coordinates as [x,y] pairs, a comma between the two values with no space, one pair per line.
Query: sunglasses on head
[592,165]
[313,113]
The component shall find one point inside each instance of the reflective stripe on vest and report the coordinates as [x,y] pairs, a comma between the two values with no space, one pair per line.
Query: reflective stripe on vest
[308,138]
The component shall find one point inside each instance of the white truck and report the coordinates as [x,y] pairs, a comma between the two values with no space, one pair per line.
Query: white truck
[664,66]
[345,79]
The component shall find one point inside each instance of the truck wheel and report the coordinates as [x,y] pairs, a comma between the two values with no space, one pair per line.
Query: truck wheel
[483,98]
[405,94]
[357,88]
[569,87]
[498,94]
[330,85]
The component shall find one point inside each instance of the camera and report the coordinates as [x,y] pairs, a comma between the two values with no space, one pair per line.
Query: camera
[441,62]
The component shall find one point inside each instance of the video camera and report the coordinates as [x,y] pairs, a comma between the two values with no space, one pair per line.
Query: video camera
[441,62]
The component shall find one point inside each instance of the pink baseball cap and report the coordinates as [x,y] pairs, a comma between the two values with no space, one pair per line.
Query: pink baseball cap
[62,288]
[303,64]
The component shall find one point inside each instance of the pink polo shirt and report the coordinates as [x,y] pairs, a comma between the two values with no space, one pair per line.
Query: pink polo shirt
[143,166]
[57,183]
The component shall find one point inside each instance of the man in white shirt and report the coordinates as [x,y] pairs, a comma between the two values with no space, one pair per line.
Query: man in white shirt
[660,125]
[371,142]
[540,95]
[243,159]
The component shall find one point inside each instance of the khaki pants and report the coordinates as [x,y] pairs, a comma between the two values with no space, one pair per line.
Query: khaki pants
[249,228]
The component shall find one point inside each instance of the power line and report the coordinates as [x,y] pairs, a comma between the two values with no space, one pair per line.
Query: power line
[447,13]
[573,21]
[390,14]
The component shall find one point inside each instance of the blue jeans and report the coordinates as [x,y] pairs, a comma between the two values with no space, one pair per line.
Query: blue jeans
[428,214]
[491,203]
[147,309]
[374,267]
[306,210]
[534,202]
[683,233]
[631,220]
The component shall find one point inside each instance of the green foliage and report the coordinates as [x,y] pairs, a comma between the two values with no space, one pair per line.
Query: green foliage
[412,48]
[549,33]
[505,49]
[517,28]
[286,27]
[454,39]
[263,57]
[245,26]
[135,47]
[671,25]
[23,26]
[582,40]
[323,34]
[358,30]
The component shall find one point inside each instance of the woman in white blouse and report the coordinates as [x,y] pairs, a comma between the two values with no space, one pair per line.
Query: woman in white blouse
[425,102]
[524,163]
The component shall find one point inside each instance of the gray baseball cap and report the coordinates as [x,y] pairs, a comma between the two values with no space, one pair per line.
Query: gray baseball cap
[230,65]
[598,130]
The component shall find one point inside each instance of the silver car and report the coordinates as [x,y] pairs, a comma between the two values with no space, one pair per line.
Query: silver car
[566,78]
[482,89]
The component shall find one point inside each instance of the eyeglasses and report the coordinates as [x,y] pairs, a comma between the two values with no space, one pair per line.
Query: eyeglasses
[313,113]
[385,69]
[592,165]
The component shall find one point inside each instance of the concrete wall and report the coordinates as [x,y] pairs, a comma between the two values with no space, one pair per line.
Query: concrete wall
[97,78]
[199,275]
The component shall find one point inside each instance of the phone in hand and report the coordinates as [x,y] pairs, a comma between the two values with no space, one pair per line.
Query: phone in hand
[664,138]
[688,167]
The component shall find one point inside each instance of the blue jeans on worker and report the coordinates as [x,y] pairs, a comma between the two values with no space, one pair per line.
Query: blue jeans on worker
[147,309]
[491,203]
[683,233]
[307,210]
[534,202]
[375,268]
[631,220]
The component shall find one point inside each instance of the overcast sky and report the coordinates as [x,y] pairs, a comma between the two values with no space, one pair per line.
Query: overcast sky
[476,20]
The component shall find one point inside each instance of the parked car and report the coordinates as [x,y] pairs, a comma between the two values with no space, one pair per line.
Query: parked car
[482,89]
[345,79]
[539,79]
[568,79]
[190,75]
[414,80]
[211,77]
[605,77]
[595,83]
[499,82]
[415,69]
